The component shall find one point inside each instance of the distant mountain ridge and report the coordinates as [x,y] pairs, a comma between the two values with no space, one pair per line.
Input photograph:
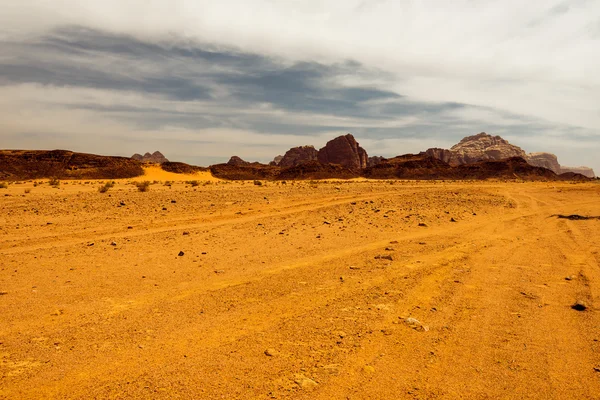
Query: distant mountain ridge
[156,157]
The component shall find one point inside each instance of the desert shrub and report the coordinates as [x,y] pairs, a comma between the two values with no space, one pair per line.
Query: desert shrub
[54,182]
[168,183]
[107,186]
[35,184]
[258,183]
[192,183]
[27,191]
[3,185]
[143,186]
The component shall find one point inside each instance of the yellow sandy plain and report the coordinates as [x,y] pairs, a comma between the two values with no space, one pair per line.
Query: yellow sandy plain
[303,290]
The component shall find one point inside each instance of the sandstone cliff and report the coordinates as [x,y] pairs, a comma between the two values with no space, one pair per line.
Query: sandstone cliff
[298,155]
[345,151]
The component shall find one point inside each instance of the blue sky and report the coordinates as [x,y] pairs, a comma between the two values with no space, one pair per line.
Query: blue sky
[203,80]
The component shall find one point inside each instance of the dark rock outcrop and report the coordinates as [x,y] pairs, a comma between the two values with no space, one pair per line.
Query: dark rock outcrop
[181,168]
[585,171]
[156,157]
[276,160]
[344,151]
[63,164]
[372,161]
[483,147]
[298,155]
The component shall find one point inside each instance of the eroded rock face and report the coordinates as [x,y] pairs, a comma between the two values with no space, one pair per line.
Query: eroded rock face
[545,160]
[585,171]
[345,151]
[483,147]
[155,157]
[298,155]
[441,154]
[375,160]
[235,160]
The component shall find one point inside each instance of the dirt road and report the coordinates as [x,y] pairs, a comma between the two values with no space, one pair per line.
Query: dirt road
[311,290]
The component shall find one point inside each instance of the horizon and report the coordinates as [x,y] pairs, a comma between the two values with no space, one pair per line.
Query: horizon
[200,83]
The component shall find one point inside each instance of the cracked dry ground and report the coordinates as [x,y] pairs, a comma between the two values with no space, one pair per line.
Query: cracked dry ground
[300,291]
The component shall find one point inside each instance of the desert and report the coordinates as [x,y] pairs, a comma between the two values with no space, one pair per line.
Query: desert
[362,289]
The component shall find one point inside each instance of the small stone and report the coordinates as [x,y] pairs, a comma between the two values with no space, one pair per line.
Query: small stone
[305,383]
[90,244]
[3,293]
[415,324]
[270,352]
[113,243]
[327,222]
[130,227]
[570,278]
[384,257]
[219,271]
[186,233]
[369,369]
[173,201]
[389,249]
[181,254]
[579,305]
[452,220]
[354,267]
[164,208]
[422,224]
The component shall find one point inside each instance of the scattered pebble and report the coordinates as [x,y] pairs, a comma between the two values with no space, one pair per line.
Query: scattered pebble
[305,383]
[270,352]
[415,324]
[113,243]
[570,278]
[384,257]
[181,254]
[579,305]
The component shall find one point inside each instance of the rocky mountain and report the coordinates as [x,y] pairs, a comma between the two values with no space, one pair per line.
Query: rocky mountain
[344,151]
[298,155]
[585,171]
[237,161]
[276,160]
[484,147]
[155,157]
[545,160]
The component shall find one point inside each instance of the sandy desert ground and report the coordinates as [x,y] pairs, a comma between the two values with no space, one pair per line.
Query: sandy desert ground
[303,290]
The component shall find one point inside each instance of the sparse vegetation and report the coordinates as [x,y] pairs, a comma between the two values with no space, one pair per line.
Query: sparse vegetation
[55,182]
[27,191]
[143,186]
[193,183]
[3,185]
[258,183]
[107,186]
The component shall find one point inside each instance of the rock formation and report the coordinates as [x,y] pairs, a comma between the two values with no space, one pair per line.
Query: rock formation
[276,160]
[372,161]
[155,157]
[483,147]
[345,151]
[585,171]
[298,155]
[237,161]
[545,160]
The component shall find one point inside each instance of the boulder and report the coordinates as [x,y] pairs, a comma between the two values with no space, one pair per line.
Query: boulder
[345,151]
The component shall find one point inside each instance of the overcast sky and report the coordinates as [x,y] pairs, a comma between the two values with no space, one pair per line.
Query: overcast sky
[202,80]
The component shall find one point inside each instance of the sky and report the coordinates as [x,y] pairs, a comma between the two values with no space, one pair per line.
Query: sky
[202,80]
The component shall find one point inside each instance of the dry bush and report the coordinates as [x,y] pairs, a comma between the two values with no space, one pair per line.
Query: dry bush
[107,186]
[54,182]
[258,183]
[3,185]
[143,186]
